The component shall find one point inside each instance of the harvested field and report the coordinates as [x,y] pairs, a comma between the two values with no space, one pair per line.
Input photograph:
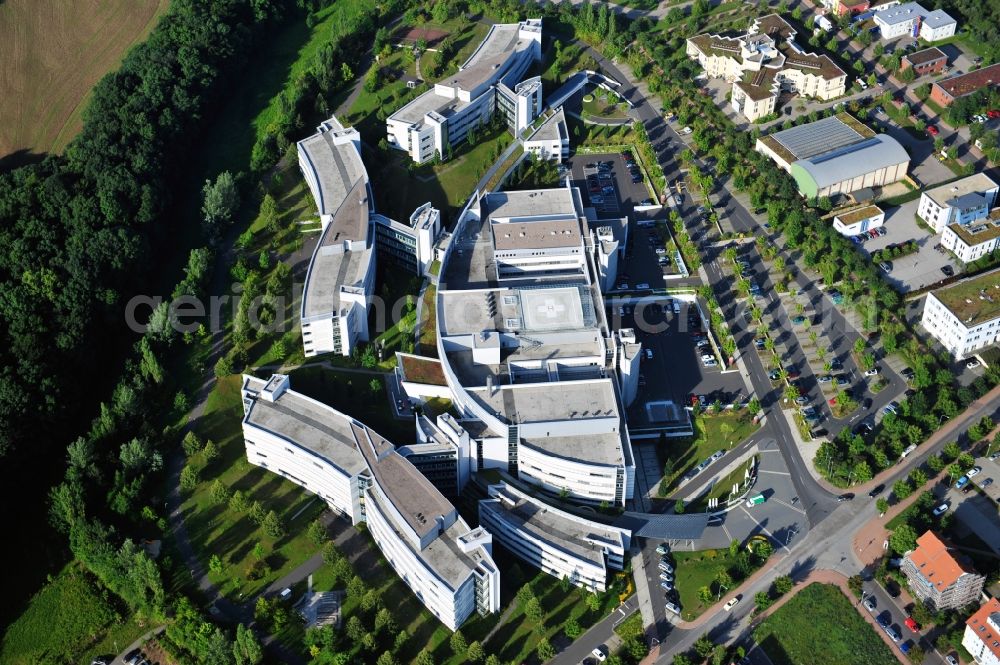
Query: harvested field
[51,55]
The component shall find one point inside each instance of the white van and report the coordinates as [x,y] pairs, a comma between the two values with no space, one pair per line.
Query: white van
[677,307]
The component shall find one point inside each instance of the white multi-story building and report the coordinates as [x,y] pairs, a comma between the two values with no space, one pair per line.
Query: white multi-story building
[411,245]
[526,349]
[340,280]
[911,19]
[965,316]
[489,81]
[562,544]
[982,634]
[960,202]
[537,233]
[858,220]
[764,62]
[359,474]
[551,139]
[970,242]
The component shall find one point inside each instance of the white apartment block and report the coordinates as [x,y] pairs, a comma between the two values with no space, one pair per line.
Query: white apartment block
[911,19]
[764,62]
[859,220]
[560,543]
[489,81]
[526,350]
[982,634]
[965,316]
[973,241]
[359,474]
[960,202]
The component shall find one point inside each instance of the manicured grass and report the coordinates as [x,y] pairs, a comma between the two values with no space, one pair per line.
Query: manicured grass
[711,434]
[71,619]
[54,54]
[428,326]
[603,105]
[630,627]
[695,570]
[820,626]
[216,530]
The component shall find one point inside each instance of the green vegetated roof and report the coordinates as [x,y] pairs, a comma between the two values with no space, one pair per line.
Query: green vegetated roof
[974,300]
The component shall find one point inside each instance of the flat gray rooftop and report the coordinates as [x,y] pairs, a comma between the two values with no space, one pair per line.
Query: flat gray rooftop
[443,554]
[603,448]
[332,267]
[583,539]
[565,400]
[976,183]
[541,234]
[335,167]
[563,307]
[532,203]
[817,138]
[553,129]
[309,426]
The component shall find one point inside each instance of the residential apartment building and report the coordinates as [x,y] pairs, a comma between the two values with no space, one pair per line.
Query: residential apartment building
[410,245]
[965,316]
[488,82]
[858,220]
[982,634]
[945,91]
[836,155]
[764,62]
[551,139]
[360,475]
[939,577]
[970,242]
[560,543]
[960,202]
[841,7]
[911,19]
[927,61]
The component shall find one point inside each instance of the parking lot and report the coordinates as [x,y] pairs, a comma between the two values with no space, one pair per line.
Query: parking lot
[913,271]
[675,370]
[648,259]
[924,165]
[624,195]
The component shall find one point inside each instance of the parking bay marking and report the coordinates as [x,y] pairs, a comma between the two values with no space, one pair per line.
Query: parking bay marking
[788,505]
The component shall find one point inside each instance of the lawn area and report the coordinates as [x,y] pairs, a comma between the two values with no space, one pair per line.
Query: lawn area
[801,632]
[71,619]
[428,327]
[215,529]
[704,568]
[352,394]
[711,434]
[603,105]
[722,487]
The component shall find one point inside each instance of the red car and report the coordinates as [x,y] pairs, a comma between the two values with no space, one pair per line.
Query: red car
[912,625]
[932,130]
[993,113]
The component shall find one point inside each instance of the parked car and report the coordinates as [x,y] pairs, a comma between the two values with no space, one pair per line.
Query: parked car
[662,548]
[826,378]
[932,130]
[886,267]
[974,471]
[801,399]
[972,363]
[733,602]
[986,483]
[961,482]
[798,320]
[599,653]
[883,619]
[941,510]
[666,586]
[893,633]
[842,380]
[947,270]
[951,659]
[912,625]
[872,372]
[870,603]
[673,607]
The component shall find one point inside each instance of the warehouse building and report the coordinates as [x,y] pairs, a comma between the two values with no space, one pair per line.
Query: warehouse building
[836,155]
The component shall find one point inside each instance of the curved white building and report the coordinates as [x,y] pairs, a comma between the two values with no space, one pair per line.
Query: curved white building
[360,475]
[526,350]
[562,544]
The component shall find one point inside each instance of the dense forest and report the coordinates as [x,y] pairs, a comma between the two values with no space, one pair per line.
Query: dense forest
[83,233]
